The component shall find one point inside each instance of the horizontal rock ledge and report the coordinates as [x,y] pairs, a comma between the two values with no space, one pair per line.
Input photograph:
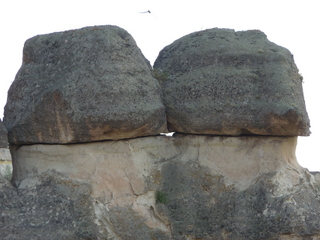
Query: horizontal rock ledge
[238,159]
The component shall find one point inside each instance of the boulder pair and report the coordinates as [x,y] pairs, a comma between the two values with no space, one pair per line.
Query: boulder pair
[94,84]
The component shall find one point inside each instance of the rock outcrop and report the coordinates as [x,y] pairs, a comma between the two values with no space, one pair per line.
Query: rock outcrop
[188,186]
[223,82]
[180,187]
[83,85]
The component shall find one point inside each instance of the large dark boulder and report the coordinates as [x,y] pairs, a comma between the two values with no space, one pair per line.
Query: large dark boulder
[83,85]
[223,82]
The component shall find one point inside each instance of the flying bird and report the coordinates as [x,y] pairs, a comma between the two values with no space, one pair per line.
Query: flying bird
[146,11]
[149,13]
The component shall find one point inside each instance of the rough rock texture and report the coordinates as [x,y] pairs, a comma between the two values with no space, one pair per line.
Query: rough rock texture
[83,85]
[5,157]
[223,82]
[180,187]
[56,208]
[3,136]
[5,154]
[316,176]
[94,84]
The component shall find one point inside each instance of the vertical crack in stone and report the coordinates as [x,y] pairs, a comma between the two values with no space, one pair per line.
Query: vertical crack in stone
[130,184]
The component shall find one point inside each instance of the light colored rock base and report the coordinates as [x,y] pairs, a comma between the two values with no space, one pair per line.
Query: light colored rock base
[5,154]
[5,163]
[212,187]
[124,165]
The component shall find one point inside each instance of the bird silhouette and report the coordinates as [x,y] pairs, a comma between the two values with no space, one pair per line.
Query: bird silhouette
[146,11]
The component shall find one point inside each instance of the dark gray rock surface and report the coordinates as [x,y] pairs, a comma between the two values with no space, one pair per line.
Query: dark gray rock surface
[207,208]
[59,208]
[83,85]
[3,136]
[56,208]
[223,82]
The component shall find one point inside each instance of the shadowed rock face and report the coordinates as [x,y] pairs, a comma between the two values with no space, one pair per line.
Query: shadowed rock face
[223,82]
[83,85]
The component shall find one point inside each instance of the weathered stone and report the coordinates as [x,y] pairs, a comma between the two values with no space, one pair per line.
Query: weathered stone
[223,82]
[3,136]
[316,176]
[208,187]
[57,208]
[5,157]
[5,163]
[83,85]
[5,154]
[157,187]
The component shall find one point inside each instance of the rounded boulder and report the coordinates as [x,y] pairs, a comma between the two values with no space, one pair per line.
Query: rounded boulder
[83,85]
[224,82]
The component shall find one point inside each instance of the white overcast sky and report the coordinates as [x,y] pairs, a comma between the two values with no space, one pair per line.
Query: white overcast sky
[293,24]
